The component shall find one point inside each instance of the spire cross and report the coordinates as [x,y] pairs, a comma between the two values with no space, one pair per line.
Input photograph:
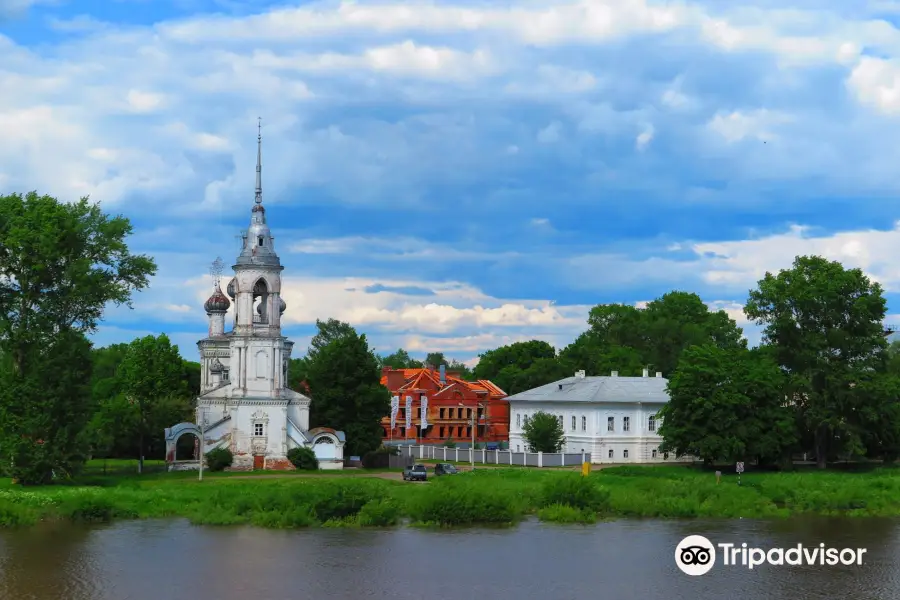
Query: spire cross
[216,270]
[259,161]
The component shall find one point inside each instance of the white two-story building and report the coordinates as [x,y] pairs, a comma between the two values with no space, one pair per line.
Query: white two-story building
[614,418]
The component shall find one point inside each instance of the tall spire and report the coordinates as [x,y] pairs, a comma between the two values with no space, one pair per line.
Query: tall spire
[259,161]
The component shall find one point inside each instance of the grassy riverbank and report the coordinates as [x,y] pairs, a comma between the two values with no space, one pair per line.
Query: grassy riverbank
[487,496]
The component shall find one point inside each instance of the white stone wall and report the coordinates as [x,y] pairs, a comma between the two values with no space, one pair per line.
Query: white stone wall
[591,433]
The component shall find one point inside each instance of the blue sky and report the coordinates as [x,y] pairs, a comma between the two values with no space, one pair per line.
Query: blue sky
[454,176]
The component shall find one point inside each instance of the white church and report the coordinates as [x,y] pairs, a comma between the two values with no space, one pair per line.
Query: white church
[244,403]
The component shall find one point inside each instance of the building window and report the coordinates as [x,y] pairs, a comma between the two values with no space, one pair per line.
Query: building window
[403,432]
[258,429]
[518,448]
[442,413]
[459,432]
[610,452]
[518,419]
[666,456]
[442,431]
[610,423]
[526,420]
[573,423]
[653,454]
[625,454]
[626,423]
[583,423]
[468,432]
[651,424]
[559,418]
[260,240]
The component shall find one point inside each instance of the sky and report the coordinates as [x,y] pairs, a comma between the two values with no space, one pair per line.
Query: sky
[456,176]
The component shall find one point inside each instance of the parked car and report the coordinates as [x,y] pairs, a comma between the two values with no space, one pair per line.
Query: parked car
[415,473]
[445,469]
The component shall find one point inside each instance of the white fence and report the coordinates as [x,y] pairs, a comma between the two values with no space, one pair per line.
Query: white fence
[493,457]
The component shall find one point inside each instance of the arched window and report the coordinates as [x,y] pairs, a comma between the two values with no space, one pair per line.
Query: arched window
[573,423]
[583,423]
[262,364]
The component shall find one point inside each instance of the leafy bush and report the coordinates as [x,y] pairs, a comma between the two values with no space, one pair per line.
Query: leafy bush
[380,458]
[339,500]
[92,508]
[219,459]
[379,513]
[303,458]
[460,503]
[562,513]
[575,491]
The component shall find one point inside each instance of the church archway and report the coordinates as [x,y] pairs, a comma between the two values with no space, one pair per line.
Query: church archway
[187,447]
[325,447]
[174,435]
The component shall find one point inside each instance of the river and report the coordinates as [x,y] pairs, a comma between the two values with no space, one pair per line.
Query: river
[173,560]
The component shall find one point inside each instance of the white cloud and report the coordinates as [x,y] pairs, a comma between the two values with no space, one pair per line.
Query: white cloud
[737,125]
[644,138]
[551,133]
[876,82]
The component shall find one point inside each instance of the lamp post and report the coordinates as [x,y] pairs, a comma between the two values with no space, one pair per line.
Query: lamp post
[202,442]
[473,422]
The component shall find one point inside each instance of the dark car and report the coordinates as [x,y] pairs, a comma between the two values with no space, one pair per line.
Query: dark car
[415,473]
[445,469]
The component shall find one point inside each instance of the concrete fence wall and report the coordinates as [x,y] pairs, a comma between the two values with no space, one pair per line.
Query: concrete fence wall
[410,454]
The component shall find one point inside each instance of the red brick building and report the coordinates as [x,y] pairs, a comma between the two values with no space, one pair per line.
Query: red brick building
[452,401]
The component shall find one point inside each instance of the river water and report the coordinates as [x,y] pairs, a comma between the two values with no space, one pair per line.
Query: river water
[173,560]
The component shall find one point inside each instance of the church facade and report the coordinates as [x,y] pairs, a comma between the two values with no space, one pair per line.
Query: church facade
[244,403]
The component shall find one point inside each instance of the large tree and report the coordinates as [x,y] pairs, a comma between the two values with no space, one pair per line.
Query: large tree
[45,407]
[345,386]
[520,366]
[543,433]
[727,404]
[328,331]
[400,360]
[61,264]
[825,325]
[151,373]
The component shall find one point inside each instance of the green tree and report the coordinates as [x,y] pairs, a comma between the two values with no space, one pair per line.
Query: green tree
[345,386]
[61,264]
[520,355]
[328,331]
[435,360]
[45,408]
[543,433]
[727,404]
[824,323]
[460,368]
[400,360]
[151,372]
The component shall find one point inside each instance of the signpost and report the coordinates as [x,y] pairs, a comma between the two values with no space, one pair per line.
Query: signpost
[740,469]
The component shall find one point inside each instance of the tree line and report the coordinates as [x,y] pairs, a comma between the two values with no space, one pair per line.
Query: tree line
[824,380]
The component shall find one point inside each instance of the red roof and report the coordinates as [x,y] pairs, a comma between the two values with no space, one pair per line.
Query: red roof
[427,378]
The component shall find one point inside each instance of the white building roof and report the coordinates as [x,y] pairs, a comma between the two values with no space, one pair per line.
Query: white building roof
[598,389]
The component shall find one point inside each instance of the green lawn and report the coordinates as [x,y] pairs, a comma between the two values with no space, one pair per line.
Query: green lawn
[493,495]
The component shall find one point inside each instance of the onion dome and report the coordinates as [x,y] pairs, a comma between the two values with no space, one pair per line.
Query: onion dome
[281,305]
[230,288]
[216,366]
[217,302]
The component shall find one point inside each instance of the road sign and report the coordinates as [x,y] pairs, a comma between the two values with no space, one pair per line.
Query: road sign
[740,467]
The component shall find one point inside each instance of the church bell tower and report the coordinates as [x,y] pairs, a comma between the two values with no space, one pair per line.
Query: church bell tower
[259,348]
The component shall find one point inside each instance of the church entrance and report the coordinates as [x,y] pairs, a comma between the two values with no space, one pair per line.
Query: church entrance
[259,462]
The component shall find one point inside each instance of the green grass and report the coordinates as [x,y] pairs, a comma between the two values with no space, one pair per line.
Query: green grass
[484,497]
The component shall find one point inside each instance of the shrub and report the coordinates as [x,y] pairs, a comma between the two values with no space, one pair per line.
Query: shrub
[219,458]
[380,458]
[379,513]
[562,513]
[464,504]
[92,509]
[575,491]
[339,500]
[303,458]
[449,444]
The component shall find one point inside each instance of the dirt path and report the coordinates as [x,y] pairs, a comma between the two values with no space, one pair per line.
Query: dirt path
[345,474]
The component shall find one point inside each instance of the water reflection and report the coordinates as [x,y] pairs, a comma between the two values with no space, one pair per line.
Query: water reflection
[148,560]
